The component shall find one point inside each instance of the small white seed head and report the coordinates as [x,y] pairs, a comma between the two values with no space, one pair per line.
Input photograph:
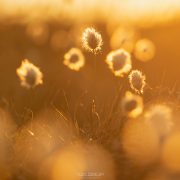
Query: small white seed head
[92,40]
[137,81]
[29,75]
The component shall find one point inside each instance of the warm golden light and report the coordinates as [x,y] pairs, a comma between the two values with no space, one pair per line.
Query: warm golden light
[124,38]
[144,50]
[132,105]
[92,40]
[29,74]
[170,153]
[161,117]
[137,81]
[74,59]
[140,142]
[119,62]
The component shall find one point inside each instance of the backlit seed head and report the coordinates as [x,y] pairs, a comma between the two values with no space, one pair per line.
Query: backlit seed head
[137,81]
[144,50]
[160,116]
[29,75]
[132,105]
[119,62]
[92,40]
[74,59]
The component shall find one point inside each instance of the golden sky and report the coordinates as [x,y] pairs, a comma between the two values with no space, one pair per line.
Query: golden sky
[120,10]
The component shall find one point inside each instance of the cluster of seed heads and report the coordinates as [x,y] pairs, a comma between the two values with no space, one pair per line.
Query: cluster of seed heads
[119,62]
[128,39]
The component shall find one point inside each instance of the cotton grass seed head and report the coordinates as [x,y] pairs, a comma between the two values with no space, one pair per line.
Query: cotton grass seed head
[132,105]
[137,81]
[92,40]
[119,62]
[29,75]
[144,50]
[74,59]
